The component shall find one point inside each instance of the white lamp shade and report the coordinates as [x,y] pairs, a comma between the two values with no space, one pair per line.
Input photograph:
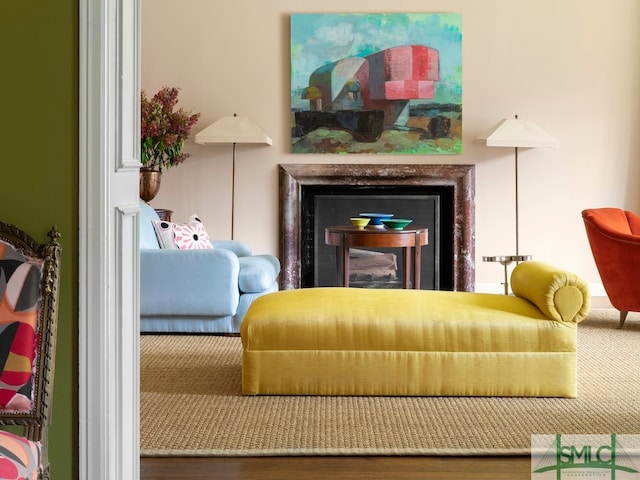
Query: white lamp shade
[513,132]
[232,130]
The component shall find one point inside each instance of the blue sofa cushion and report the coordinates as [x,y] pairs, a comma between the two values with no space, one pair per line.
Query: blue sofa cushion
[241,249]
[257,273]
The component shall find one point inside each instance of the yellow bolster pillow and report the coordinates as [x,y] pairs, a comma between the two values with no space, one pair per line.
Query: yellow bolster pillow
[560,295]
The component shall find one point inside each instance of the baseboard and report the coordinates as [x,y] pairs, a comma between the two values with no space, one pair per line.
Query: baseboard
[600,302]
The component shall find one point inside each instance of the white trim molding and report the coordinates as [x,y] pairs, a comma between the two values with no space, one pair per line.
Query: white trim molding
[108,345]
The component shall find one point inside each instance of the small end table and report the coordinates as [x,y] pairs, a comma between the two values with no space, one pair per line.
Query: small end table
[345,237]
[164,214]
[506,260]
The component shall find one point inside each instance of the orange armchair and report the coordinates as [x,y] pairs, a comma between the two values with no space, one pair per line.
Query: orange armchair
[614,236]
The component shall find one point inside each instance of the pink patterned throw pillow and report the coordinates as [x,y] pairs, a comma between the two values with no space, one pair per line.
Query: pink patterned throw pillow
[182,236]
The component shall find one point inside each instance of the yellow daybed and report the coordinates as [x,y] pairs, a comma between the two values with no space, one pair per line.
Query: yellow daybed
[348,341]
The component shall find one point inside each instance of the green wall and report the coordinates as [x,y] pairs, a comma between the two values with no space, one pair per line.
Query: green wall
[39,173]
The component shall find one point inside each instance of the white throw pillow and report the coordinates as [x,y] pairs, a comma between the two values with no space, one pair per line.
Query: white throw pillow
[182,236]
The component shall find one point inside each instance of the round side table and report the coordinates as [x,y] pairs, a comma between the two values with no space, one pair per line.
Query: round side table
[345,237]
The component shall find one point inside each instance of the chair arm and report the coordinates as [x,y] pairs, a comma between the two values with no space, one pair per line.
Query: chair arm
[241,249]
[189,282]
[560,295]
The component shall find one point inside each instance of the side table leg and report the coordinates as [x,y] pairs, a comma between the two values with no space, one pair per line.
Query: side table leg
[339,266]
[406,259]
[345,262]
[417,264]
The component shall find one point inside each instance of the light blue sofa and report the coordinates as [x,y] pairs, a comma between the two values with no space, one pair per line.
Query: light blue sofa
[199,291]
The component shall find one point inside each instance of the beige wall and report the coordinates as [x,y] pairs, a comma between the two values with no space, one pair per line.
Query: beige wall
[571,66]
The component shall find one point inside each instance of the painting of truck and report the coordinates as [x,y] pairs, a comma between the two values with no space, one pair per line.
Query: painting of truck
[403,98]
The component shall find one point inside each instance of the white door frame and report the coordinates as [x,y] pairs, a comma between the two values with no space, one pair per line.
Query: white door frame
[108,319]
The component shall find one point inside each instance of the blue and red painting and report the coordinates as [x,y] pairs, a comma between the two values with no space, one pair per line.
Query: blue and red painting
[376,83]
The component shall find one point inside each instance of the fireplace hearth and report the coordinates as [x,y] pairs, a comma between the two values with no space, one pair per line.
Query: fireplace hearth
[443,197]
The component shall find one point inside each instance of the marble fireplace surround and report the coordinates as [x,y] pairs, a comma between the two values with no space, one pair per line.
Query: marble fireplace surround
[294,177]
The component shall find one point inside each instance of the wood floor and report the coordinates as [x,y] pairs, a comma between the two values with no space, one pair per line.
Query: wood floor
[343,468]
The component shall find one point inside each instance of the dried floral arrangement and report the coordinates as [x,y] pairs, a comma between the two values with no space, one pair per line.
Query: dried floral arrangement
[164,130]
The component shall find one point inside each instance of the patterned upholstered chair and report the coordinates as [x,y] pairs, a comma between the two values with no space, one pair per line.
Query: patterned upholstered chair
[28,313]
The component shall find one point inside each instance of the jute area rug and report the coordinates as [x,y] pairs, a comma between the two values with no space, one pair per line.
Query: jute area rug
[192,405]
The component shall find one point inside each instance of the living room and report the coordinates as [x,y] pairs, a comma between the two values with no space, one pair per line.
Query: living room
[571,67]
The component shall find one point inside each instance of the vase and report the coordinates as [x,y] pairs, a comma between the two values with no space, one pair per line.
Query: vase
[149,183]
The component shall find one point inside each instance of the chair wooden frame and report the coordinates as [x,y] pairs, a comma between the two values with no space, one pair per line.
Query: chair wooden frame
[35,422]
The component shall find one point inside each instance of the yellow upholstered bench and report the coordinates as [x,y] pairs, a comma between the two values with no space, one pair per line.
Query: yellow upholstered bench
[348,341]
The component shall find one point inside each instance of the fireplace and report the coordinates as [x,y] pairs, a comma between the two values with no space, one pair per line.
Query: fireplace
[428,206]
[445,195]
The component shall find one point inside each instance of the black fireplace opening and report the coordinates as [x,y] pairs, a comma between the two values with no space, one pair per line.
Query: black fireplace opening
[429,206]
